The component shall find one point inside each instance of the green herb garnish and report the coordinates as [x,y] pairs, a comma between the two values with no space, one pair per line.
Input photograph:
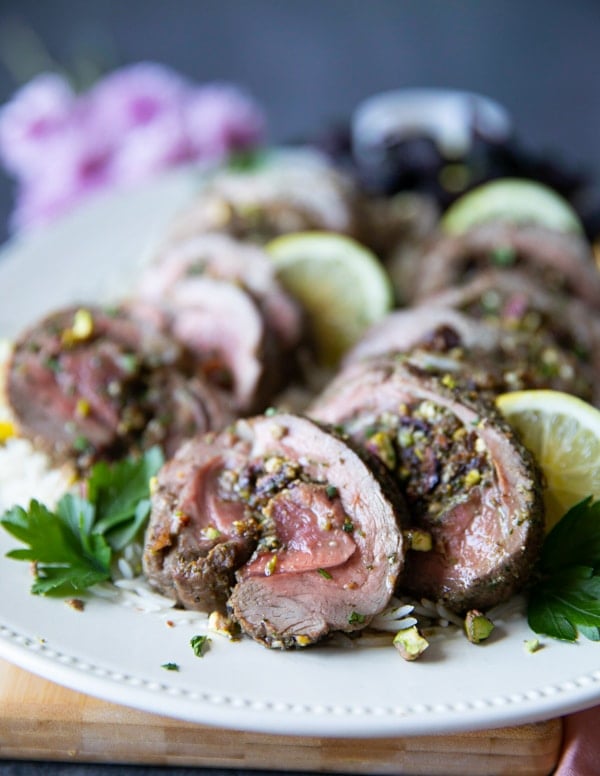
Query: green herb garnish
[355,618]
[324,573]
[72,547]
[200,645]
[565,602]
[170,666]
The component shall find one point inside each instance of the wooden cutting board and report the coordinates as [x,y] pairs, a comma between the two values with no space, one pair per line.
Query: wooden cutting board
[41,721]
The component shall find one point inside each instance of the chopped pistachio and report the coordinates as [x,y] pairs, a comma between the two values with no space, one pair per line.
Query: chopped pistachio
[82,408]
[271,566]
[278,431]
[81,329]
[211,533]
[273,464]
[480,446]
[75,603]
[532,645]
[448,381]
[223,625]
[478,627]
[418,540]
[472,477]
[381,444]
[410,643]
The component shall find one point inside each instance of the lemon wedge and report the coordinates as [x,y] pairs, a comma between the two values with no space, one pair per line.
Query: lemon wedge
[563,433]
[340,283]
[511,200]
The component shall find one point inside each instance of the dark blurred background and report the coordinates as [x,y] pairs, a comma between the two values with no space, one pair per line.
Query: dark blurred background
[310,62]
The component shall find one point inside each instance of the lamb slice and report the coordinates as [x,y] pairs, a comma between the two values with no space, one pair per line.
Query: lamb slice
[437,327]
[287,192]
[197,536]
[555,337]
[223,257]
[558,261]
[331,549]
[466,478]
[180,407]
[223,327]
[77,378]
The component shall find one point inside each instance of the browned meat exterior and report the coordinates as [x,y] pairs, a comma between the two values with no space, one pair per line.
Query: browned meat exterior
[466,477]
[322,528]
[198,535]
[85,383]
[557,261]
[179,407]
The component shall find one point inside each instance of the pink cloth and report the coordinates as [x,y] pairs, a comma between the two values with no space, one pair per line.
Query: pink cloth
[581,746]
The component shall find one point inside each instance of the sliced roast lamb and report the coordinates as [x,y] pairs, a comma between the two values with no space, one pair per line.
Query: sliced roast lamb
[289,518]
[223,257]
[466,478]
[439,328]
[558,335]
[86,383]
[198,535]
[521,335]
[285,192]
[224,328]
[556,260]
[221,300]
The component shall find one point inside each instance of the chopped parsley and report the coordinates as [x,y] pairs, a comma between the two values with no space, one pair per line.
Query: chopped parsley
[170,666]
[355,618]
[331,491]
[72,546]
[324,573]
[565,601]
[200,645]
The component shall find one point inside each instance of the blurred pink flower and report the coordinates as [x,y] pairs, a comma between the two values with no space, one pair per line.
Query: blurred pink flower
[38,111]
[133,124]
[221,118]
[147,149]
[78,162]
[135,96]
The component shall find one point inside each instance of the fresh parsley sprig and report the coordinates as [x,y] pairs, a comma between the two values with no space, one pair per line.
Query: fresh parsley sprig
[565,602]
[72,547]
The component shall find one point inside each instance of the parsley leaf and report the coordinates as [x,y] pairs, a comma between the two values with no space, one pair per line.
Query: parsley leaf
[566,600]
[65,553]
[120,494]
[72,546]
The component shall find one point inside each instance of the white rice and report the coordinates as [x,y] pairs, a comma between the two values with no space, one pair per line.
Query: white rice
[26,473]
